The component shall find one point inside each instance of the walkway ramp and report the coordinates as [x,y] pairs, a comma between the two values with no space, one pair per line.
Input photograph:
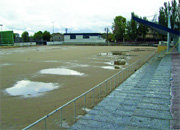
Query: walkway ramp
[140,102]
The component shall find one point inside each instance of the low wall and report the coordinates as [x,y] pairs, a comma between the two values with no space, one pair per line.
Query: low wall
[161,48]
[85,41]
[55,43]
[25,44]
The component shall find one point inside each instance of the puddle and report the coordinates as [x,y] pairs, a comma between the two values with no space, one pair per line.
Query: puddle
[138,49]
[77,65]
[5,64]
[111,67]
[61,71]
[79,117]
[109,63]
[52,61]
[113,53]
[128,57]
[86,109]
[65,124]
[117,53]
[28,88]
[120,62]
[105,54]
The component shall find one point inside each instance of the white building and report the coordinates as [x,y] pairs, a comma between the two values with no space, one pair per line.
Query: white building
[83,38]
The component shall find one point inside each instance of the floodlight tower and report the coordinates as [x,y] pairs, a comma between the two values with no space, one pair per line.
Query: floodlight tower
[1,26]
[1,33]
[53,31]
[168,34]
[106,30]
[66,30]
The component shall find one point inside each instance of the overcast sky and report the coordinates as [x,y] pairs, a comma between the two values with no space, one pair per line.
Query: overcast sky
[76,15]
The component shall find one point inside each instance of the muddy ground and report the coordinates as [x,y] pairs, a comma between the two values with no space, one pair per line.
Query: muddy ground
[25,63]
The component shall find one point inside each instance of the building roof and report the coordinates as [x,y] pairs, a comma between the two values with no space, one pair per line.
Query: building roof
[89,34]
[159,28]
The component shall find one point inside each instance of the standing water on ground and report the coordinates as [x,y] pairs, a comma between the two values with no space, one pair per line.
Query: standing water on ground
[28,88]
[61,71]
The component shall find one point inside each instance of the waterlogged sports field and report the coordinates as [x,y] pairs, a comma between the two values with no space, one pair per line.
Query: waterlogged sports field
[36,80]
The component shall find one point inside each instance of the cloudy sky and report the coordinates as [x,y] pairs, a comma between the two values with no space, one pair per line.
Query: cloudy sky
[76,15]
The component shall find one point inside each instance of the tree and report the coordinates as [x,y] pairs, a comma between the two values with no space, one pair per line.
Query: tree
[38,36]
[174,15]
[128,31]
[25,36]
[46,36]
[119,27]
[142,30]
[131,27]
[162,17]
[110,36]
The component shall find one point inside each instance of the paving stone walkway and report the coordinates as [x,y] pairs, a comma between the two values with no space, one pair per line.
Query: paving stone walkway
[175,91]
[141,102]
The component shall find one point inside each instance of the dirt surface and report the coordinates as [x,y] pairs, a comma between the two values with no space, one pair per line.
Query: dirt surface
[25,63]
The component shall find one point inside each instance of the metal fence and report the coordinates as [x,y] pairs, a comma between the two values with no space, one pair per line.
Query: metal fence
[69,113]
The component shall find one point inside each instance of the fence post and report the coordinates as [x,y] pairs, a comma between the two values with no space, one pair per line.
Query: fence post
[106,87]
[99,91]
[122,75]
[111,84]
[114,83]
[93,97]
[74,110]
[61,117]
[45,127]
[85,101]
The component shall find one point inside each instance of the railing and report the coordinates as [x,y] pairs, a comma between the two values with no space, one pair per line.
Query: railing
[69,113]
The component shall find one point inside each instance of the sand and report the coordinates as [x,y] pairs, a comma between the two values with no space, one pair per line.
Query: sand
[25,63]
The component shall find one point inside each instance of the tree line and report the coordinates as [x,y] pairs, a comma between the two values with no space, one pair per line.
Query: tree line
[131,30]
[38,36]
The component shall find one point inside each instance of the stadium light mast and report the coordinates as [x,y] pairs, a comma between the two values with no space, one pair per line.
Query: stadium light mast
[1,26]
[1,33]
[168,34]
[66,30]
[53,31]
[106,30]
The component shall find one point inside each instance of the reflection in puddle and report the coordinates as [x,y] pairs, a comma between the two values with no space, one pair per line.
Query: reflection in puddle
[111,67]
[28,88]
[61,71]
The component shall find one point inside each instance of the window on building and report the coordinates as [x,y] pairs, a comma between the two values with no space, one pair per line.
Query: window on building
[85,36]
[72,36]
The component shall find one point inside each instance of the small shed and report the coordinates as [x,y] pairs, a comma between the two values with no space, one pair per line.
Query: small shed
[83,38]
